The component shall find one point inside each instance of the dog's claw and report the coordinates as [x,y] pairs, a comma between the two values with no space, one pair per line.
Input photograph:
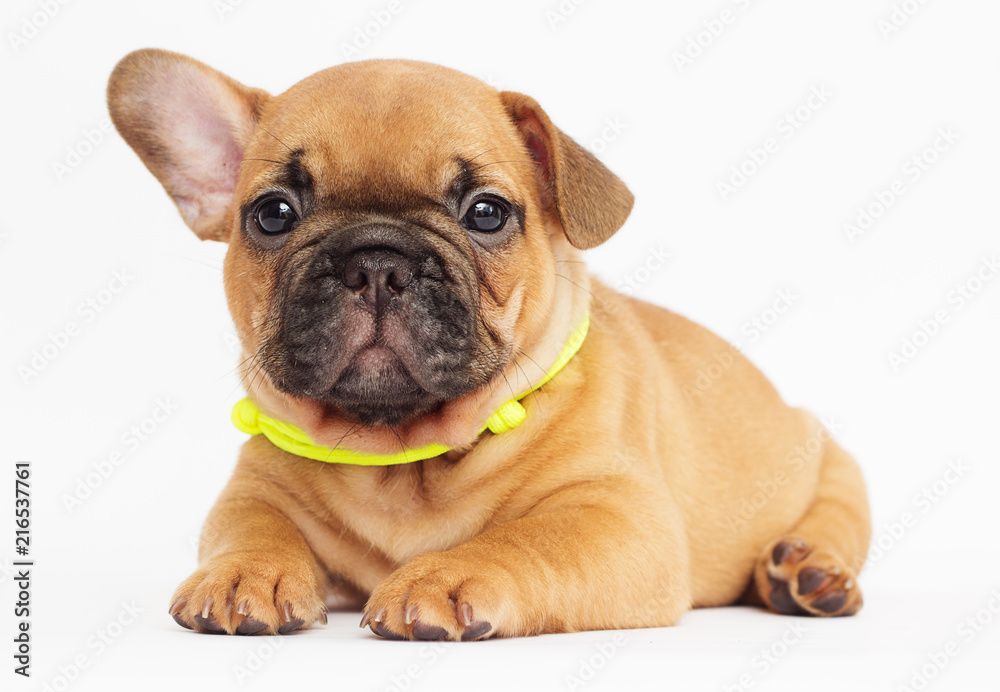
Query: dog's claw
[175,612]
[475,630]
[205,619]
[251,626]
[465,611]
[366,617]
[431,633]
[290,626]
[383,631]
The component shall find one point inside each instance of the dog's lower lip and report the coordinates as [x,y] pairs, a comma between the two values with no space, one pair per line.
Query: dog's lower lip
[375,356]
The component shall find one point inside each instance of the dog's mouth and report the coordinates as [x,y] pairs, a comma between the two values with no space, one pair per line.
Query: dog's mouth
[355,336]
[376,387]
[385,380]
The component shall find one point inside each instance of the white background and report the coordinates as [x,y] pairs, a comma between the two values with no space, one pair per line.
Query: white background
[167,336]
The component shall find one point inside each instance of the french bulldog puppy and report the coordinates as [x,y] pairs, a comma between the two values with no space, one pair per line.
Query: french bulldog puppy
[453,424]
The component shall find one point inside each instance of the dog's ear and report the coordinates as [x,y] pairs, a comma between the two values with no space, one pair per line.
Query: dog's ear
[190,125]
[590,201]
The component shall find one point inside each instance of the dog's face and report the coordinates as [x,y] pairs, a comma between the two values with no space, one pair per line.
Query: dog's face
[391,223]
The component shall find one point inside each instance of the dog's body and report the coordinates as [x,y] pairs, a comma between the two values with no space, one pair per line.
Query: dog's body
[638,486]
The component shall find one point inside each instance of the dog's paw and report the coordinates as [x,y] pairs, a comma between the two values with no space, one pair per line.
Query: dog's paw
[249,593]
[436,597]
[796,579]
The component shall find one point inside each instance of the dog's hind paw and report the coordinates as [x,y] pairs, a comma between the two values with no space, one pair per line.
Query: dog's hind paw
[793,578]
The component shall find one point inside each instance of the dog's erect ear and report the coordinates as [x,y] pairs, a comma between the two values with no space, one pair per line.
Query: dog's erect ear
[591,201]
[190,125]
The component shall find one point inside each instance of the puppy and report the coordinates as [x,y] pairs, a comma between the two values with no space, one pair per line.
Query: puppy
[453,424]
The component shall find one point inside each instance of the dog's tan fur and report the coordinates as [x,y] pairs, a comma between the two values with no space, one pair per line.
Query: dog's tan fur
[616,504]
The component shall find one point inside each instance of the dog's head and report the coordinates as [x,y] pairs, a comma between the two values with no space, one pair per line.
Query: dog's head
[393,226]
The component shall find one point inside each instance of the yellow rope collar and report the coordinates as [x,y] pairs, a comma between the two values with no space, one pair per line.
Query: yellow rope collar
[248,418]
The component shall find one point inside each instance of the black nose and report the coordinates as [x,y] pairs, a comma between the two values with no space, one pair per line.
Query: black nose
[377,275]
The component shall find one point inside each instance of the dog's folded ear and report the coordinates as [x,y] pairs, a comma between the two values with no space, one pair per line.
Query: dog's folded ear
[591,202]
[190,125]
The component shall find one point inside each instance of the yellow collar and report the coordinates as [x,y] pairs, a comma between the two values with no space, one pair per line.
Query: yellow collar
[248,418]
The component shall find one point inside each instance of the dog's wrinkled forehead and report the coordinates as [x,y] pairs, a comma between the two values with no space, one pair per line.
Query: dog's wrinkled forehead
[381,132]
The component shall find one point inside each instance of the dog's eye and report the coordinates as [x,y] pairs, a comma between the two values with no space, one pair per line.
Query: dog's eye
[486,216]
[275,216]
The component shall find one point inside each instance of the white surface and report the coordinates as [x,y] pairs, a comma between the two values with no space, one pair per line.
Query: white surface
[167,334]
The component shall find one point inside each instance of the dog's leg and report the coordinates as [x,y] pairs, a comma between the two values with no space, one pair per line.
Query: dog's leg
[256,573]
[578,561]
[813,570]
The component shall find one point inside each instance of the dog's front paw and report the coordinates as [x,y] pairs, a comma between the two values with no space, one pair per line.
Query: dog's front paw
[797,579]
[249,593]
[436,596]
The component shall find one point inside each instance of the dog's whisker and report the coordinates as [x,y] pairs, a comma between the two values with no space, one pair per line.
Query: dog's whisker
[483,153]
[525,354]
[341,440]
[494,163]
[280,163]
[534,392]
[582,288]
[276,137]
